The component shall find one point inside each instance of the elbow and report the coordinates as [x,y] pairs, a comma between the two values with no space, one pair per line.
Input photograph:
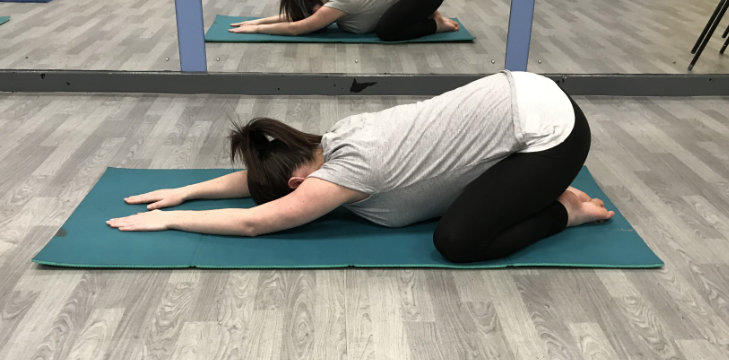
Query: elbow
[299,29]
[252,225]
[251,232]
[295,32]
[249,229]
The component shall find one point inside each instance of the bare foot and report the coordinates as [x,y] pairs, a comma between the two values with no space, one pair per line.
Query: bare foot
[580,194]
[444,24]
[584,197]
[581,212]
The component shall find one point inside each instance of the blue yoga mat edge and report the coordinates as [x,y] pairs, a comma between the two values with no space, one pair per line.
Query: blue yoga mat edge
[84,266]
[343,266]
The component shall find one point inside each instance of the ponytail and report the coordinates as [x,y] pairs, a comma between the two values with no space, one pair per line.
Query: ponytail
[296,10]
[271,150]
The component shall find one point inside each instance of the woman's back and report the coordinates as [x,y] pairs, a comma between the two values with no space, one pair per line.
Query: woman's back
[415,159]
[362,15]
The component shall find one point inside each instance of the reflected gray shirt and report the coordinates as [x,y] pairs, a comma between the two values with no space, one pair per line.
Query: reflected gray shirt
[362,15]
[413,160]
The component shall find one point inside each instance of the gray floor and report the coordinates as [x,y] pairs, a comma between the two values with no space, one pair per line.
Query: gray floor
[663,161]
[589,36]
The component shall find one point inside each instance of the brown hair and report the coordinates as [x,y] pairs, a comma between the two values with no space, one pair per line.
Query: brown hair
[271,150]
[296,10]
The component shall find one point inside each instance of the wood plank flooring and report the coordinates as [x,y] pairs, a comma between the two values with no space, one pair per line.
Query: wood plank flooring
[588,36]
[663,162]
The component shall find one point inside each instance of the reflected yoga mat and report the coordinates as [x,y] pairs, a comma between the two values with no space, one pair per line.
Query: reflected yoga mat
[4,19]
[339,239]
[218,32]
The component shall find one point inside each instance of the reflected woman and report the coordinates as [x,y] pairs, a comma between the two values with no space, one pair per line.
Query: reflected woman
[391,20]
[493,159]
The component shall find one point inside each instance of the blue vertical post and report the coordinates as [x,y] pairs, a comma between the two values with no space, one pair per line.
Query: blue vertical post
[191,35]
[519,35]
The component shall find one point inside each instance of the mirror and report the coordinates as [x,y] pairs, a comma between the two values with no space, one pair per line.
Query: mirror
[583,37]
[89,35]
[623,37]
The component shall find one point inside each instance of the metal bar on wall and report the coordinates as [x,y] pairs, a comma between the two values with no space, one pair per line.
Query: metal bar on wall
[342,84]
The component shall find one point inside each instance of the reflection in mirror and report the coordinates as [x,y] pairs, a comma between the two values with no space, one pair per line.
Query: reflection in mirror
[588,36]
[486,20]
[623,36]
[131,35]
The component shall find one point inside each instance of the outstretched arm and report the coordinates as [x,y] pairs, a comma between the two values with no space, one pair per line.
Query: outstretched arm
[319,20]
[233,185]
[266,20]
[311,200]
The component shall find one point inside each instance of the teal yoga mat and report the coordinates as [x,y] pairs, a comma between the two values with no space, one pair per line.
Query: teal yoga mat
[4,19]
[339,239]
[218,32]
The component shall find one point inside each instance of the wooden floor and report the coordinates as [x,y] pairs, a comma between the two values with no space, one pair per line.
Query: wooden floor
[663,161]
[587,36]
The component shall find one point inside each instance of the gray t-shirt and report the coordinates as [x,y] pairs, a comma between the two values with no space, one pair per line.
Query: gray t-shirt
[415,159]
[362,15]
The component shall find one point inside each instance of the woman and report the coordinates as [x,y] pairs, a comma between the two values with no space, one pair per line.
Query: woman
[391,20]
[493,158]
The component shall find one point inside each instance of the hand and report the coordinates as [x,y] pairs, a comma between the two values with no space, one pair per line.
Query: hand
[158,199]
[248,22]
[156,220]
[245,29]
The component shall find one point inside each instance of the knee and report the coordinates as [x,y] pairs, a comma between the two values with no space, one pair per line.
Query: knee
[454,245]
[386,32]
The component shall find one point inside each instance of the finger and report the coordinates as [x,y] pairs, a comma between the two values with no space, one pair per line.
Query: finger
[163,203]
[115,223]
[157,205]
[132,199]
[139,199]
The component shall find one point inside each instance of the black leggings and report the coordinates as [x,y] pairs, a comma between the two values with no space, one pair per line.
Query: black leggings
[514,203]
[407,19]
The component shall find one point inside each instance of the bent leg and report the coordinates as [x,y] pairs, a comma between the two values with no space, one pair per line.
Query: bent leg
[513,204]
[408,19]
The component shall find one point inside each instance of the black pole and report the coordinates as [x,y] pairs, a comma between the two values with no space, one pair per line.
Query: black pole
[708,35]
[708,24]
